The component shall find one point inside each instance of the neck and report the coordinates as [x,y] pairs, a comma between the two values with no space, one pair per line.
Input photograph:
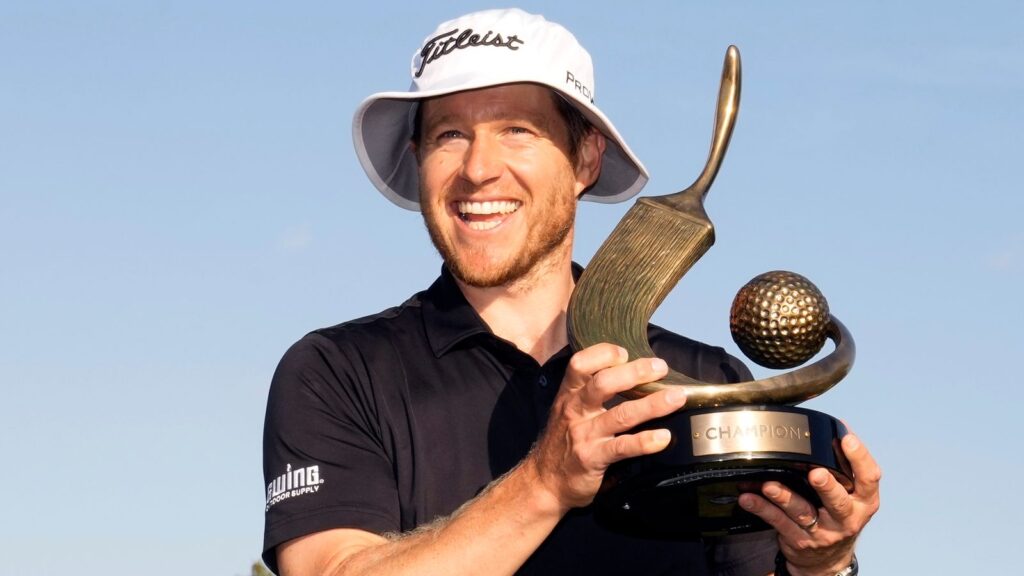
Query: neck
[529,312]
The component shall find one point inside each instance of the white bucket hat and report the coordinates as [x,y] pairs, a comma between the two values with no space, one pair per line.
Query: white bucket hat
[478,50]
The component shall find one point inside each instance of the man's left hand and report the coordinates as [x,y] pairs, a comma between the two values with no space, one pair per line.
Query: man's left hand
[820,541]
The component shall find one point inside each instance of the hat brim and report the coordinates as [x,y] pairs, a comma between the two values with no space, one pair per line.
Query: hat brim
[383,125]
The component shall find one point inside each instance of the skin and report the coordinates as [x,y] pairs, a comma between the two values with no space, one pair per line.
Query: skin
[499,152]
[508,144]
[829,543]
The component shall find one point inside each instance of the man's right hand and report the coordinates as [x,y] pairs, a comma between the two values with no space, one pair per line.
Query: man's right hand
[583,437]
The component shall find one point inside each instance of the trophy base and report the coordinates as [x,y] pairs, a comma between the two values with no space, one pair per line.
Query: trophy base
[692,487]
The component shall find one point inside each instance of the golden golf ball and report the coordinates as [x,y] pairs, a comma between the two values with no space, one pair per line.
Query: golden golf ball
[779,319]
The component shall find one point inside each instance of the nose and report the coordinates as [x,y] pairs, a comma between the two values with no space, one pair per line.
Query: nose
[482,162]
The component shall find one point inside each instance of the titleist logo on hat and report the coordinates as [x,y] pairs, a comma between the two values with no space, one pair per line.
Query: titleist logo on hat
[448,42]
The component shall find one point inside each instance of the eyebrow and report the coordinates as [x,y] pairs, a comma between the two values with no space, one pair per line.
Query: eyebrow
[541,121]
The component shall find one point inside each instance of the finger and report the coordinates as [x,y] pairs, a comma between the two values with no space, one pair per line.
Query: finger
[796,507]
[610,381]
[867,474]
[773,516]
[631,445]
[834,498]
[628,415]
[590,360]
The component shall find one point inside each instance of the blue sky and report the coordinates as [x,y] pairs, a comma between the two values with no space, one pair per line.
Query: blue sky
[180,201]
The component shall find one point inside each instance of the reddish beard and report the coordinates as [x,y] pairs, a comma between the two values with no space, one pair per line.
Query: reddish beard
[543,239]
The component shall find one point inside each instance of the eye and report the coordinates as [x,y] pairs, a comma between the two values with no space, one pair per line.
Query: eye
[449,135]
[519,130]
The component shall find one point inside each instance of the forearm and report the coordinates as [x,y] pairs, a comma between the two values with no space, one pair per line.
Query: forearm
[492,534]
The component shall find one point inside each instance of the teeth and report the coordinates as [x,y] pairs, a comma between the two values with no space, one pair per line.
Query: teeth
[482,225]
[486,208]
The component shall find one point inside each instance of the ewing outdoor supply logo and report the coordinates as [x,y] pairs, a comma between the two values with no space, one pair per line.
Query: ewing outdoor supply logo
[448,42]
[293,483]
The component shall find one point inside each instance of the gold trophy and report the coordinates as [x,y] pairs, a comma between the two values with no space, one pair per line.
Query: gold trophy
[729,438]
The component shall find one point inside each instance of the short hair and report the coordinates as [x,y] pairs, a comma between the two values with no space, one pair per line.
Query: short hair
[578,125]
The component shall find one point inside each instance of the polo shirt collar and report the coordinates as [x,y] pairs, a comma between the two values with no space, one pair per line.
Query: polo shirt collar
[449,318]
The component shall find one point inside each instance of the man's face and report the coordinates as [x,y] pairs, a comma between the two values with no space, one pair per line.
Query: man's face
[498,189]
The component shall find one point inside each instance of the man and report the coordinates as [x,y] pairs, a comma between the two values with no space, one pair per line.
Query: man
[458,433]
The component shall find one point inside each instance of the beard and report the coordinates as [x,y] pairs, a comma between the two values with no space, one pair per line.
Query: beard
[548,233]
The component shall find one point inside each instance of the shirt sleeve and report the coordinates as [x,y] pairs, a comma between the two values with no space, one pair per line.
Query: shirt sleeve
[325,464]
[697,360]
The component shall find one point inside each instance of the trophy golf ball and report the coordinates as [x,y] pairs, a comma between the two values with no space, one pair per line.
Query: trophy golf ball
[779,319]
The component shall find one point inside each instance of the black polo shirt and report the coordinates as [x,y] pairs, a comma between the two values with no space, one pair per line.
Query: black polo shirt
[390,421]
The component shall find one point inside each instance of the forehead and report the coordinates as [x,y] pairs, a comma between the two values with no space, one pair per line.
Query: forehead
[525,101]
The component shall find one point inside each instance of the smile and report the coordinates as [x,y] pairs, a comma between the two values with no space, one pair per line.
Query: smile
[486,215]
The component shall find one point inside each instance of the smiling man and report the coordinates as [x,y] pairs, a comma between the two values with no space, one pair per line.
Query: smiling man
[458,433]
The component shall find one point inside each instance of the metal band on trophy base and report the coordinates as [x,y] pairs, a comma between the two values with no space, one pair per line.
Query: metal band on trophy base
[693,486]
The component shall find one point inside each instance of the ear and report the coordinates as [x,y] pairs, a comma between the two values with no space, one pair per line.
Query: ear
[415,150]
[588,160]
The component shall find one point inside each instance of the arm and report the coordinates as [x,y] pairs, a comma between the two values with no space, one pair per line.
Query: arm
[821,541]
[494,534]
[498,530]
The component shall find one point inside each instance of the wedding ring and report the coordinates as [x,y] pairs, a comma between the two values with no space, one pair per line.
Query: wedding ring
[813,524]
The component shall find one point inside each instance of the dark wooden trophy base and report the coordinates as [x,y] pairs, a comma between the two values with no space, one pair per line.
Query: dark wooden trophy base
[692,487]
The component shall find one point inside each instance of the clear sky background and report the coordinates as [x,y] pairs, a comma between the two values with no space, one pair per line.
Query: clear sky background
[180,201]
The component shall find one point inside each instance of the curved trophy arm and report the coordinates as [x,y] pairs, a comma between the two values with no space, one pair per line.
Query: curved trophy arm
[790,388]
